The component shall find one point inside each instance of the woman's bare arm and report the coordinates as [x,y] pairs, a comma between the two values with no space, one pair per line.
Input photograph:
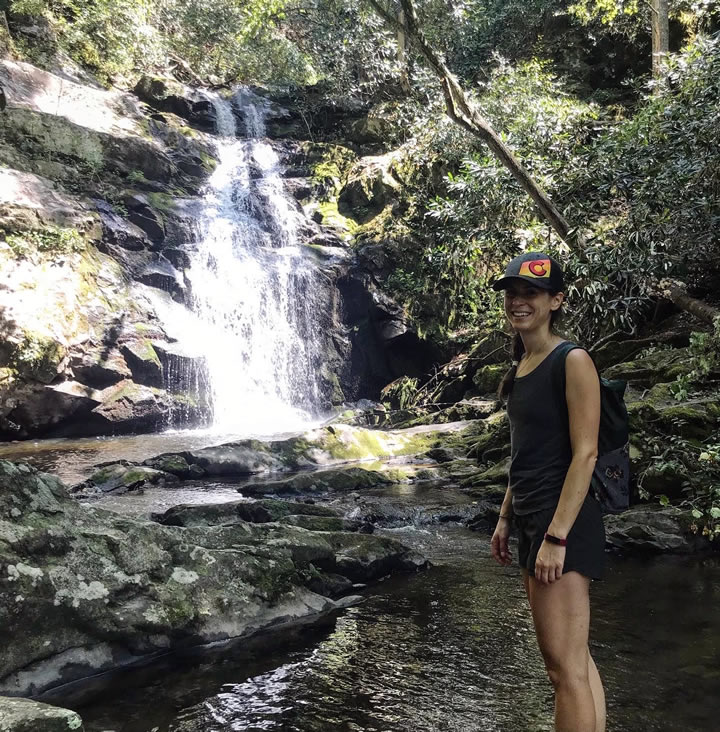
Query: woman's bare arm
[582,390]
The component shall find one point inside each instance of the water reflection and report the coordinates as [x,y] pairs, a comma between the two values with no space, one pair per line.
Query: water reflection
[453,649]
[73,459]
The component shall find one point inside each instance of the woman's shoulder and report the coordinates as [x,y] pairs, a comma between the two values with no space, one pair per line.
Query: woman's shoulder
[579,364]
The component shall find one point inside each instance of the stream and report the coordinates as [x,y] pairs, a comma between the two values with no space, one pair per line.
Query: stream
[448,649]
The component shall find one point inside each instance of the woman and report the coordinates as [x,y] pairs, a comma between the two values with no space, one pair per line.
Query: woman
[561,538]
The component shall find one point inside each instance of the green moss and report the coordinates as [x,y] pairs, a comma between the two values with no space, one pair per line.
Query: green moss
[488,378]
[36,356]
[163,202]
[144,350]
[315,523]
[332,169]
[332,217]
[49,240]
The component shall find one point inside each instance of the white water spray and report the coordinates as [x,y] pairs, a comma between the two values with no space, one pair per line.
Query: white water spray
[253,288]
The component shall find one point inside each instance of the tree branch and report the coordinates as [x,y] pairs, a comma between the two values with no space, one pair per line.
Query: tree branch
[463,112]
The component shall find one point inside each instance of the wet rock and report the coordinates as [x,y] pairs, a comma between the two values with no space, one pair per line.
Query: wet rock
[38,408]
[183,370]
[160,273]
[175,464]
[441,454]
[143,362]
[653,529]
[386,513]
[128,406]
[236,459]
[99,365]
[24,715]
[170,96]
[145,217]
[86,590]
[255,512]
[327,583]
[121,232]
[365,560]
[120,478]
[177,257]
[319,481]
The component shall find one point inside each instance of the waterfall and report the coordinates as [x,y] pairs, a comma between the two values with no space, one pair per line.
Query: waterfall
[254,291]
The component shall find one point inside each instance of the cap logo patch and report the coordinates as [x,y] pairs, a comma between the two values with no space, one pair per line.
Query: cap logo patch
[538,268]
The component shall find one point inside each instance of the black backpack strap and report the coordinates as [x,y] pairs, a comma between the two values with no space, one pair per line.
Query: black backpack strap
[559,357]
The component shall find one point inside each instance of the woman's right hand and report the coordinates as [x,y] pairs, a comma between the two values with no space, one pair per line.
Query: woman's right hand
[499,546]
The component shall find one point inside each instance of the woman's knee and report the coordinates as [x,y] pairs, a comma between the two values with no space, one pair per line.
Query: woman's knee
[568,670]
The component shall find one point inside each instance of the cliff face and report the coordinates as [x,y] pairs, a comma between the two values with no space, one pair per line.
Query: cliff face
[100,197]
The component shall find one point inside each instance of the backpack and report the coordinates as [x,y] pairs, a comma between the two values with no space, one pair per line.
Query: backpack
[611,477]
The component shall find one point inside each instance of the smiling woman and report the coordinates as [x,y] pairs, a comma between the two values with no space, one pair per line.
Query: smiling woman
[553,450]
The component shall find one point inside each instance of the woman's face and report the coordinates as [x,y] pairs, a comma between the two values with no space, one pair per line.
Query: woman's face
[528,307]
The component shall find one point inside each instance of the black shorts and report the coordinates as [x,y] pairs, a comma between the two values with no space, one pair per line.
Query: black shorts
[585,552]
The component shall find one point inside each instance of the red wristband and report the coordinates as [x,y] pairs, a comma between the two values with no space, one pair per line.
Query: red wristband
[554,540]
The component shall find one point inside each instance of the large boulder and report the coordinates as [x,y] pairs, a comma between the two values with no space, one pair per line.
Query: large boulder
[24,715]
[653,529]
[168,95]
[84,590]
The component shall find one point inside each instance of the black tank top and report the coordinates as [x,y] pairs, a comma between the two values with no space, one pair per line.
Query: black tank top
[539,438]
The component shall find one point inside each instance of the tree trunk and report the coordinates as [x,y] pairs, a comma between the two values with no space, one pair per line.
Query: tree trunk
[402,53]
[660,35]
[461,111]
[698,308]
[6,45]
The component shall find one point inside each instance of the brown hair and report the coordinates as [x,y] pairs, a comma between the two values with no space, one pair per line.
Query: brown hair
[517,350]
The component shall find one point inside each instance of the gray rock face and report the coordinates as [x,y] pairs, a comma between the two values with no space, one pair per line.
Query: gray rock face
[653,529]
[319,481]
[84,590]
[170,96]
[23,715]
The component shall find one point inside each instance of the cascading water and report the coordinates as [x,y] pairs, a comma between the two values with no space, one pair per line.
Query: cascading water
[254,290]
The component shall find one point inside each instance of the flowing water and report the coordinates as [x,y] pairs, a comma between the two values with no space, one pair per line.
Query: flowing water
[256,294]
[449,649]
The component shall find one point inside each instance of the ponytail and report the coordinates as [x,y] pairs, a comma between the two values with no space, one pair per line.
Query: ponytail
[506,385]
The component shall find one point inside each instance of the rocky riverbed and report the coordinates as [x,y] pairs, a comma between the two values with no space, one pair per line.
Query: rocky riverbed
[87,589]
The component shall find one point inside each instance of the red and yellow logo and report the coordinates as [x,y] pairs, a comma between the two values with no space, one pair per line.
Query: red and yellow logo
[539,268]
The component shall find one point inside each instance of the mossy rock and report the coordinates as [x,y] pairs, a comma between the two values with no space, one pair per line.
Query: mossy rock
[667,481]
[25,715]
[659,367]
[495,435]
[320,481]
[497,474]
[487,378]
[170,463]
[37,357]
[233,512]
[316,523]
[121,477]
[693,420]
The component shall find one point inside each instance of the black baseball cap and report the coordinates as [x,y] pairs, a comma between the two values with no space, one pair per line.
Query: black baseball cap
[537,268]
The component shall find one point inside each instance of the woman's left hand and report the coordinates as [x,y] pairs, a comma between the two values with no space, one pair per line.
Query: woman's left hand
[549,563]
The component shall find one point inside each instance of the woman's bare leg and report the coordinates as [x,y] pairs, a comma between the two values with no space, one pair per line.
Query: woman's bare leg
[598,695]
[561,613]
